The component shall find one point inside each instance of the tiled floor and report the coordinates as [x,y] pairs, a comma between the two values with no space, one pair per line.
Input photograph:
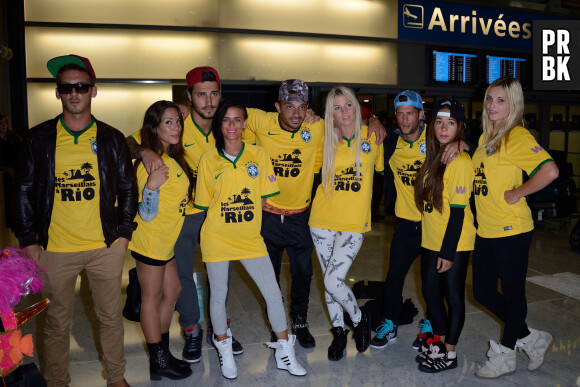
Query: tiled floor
[552,265]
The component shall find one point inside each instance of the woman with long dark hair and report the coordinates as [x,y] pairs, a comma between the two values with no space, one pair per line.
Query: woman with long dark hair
[442,195]
[233,182]
[164,193]
[505,225]
[341,211]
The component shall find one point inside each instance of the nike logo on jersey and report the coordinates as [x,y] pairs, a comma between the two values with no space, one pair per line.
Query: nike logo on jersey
[273,134]
[186,145]
[179,174]
[218,175]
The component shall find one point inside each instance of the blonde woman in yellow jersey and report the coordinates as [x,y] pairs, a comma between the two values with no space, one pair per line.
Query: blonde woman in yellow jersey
[233,183]
[341,211]
[164,194]
[442,195]
[505,224]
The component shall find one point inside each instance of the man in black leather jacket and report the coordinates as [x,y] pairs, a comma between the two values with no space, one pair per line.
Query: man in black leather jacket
[72,170]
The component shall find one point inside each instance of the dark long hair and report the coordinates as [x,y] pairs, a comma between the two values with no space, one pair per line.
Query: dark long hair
[149,138]
[430,188]
[218,118]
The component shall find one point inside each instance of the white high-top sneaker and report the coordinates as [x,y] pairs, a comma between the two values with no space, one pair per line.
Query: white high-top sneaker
[502,361]
[536,345]
[226,357]
[285,356]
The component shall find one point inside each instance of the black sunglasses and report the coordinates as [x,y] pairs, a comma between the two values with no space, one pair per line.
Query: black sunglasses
[66,88]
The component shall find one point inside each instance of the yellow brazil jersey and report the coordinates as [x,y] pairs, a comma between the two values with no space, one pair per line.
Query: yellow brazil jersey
[75,224]
[156,239]
[349,207]
[232,193]
[457,183]
[501,172]
[296,156]
[405,163]
[195,143]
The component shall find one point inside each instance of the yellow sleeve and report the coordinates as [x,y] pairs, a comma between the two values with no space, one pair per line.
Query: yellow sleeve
[142,177]
[203,194]
[268,183]
[460,181]
[380,159]
[255,117]
[319,155]
[524,151]
[136,136]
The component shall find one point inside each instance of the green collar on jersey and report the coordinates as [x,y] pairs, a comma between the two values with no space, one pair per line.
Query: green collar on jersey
[237,158]
[286,130]
[206,135]
[76,135]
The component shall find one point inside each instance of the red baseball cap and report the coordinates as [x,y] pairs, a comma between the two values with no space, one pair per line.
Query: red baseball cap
[194,76]
[56,63]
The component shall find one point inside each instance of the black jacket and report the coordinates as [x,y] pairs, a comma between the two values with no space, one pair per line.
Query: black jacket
[34,184]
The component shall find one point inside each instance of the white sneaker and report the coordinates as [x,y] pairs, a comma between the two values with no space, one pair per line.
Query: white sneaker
[226,357]
[501,362]
[285,356]
[536,345]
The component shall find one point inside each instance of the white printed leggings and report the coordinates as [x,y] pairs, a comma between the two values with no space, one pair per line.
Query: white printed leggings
[336,251]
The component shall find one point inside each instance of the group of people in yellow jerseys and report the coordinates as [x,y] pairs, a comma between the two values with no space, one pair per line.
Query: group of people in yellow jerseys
[240,181]
[434,180]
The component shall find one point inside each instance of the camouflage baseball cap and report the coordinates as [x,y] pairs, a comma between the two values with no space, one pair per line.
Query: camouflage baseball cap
[293,86]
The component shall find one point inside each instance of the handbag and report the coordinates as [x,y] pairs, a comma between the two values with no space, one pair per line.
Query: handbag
[132,309]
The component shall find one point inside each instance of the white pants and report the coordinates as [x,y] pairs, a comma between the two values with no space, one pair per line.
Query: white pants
[336,251]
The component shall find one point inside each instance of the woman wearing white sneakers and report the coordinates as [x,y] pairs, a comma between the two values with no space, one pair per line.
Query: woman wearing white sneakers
[233,183]
[505,224]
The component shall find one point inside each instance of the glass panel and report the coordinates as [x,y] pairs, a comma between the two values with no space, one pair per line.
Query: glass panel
[557,114]
[160,55]
[202,13]
[557,139]
[119,105]
[345,17]
[531,114]
[574,118]
[254,57]
[122,53]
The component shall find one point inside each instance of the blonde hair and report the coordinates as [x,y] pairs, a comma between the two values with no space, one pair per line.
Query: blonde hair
[331,133]
[515,97]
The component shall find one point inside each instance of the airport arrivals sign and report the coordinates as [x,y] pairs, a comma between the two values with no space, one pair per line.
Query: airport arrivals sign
[443,22]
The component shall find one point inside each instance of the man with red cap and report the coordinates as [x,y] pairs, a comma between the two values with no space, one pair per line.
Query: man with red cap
[71,172]
[203,92]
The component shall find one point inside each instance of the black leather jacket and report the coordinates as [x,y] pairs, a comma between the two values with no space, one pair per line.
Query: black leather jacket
[34,184]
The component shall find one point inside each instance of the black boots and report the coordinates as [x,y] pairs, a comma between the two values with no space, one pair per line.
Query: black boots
[362,332]
[300,329]
[336,349]
[161,364]
[172,359]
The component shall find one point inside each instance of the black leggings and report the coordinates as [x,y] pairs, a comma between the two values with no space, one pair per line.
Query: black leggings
[505,260]
[448,286]
[405,247]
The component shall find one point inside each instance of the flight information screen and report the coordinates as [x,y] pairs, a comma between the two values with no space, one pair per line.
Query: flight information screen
[501,66]
[454,67]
